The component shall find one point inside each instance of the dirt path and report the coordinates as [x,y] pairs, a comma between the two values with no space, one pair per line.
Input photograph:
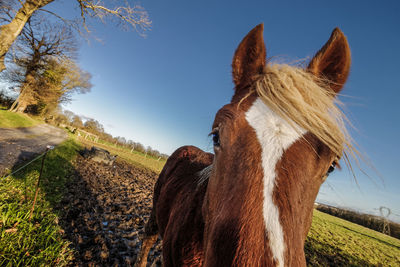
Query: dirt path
[20,144]
[104,213]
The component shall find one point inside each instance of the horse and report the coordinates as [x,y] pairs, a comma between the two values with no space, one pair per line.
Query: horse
[251,202]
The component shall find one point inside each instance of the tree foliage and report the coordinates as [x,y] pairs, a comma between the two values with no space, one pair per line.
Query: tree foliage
[93,126]
[59,80]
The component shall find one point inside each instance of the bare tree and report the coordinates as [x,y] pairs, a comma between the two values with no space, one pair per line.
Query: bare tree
[21,11]
[60,118]
[42,67]
[139,147]
[68,114]
[93,126]
[9,32]
[77,122]
[121,140]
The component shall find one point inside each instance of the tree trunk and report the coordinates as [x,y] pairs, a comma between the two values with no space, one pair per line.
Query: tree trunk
[21,107]
[14,105]
[9,32]
[25,97]
[20,103]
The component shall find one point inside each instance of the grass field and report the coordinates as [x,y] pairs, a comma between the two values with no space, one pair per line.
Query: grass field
[136,158]
[15,120]
[39,242]
[335,242]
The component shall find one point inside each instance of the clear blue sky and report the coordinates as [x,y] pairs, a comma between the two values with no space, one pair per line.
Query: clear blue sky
[163,90]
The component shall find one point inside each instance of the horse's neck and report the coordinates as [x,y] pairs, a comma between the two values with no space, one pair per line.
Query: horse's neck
[235,229]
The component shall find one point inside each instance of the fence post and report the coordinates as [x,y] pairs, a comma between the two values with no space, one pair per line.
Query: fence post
[37,185]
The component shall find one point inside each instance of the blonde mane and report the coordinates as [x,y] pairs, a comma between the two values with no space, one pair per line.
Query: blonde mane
[301,98]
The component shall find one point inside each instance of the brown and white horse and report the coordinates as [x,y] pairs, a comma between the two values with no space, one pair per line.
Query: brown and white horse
[251,203]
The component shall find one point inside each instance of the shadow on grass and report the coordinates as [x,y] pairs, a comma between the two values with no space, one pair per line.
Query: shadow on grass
[370,236]
[57,217]
[57,170]
[323,254]
[80,216]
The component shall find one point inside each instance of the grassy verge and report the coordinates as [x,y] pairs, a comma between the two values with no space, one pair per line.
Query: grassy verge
[39,242]
[14,120]
[335,242]
[135,158]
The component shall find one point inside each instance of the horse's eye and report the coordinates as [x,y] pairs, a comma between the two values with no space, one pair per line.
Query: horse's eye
[215,138]
[331,168]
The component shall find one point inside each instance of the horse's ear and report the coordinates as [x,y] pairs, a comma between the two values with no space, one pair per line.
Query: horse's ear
[333,61]
[250,57]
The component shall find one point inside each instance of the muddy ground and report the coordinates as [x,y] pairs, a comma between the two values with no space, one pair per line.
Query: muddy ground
[104,213]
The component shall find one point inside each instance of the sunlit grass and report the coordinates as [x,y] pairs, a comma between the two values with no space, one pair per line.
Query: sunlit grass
[39,242]
[14,120]
[335,242]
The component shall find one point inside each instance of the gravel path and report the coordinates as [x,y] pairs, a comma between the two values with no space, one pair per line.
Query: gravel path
[21,144]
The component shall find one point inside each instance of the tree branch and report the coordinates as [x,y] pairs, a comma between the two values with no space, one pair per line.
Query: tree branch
[135,17]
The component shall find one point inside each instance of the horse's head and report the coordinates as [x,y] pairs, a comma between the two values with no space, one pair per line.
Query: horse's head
[274,145]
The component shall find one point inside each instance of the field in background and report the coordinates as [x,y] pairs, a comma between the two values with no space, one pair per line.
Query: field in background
[373,222]
[335,242]
[15,120]
[134,157]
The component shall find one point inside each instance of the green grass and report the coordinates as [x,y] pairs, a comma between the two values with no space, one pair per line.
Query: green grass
[135,158]
[39,242]
[335,242]
[15,120]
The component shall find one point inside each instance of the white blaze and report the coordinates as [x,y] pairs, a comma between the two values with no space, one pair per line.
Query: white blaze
[275,136]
